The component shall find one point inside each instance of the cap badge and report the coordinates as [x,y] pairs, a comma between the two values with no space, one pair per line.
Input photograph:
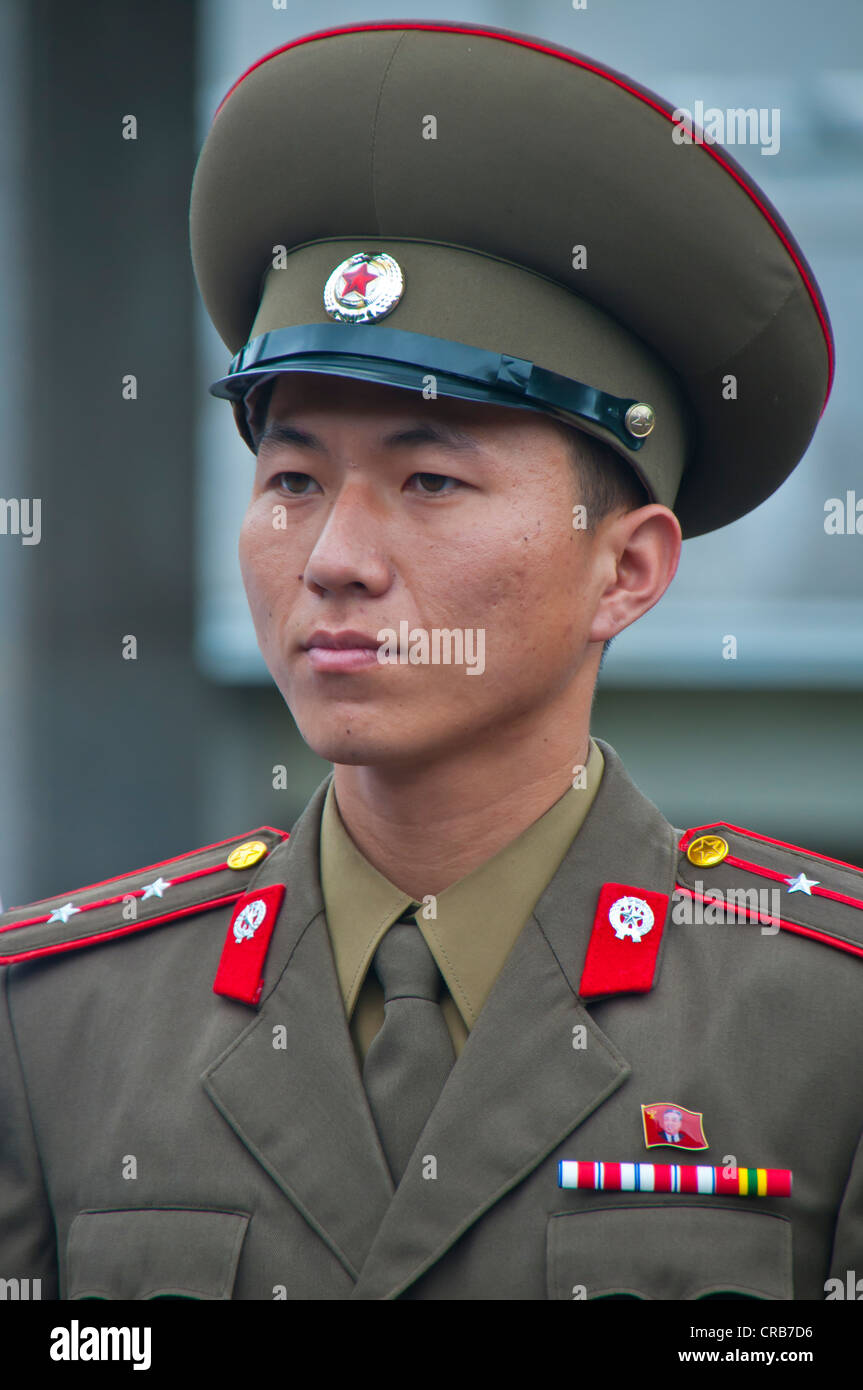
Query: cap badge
[365,287]
[632,917]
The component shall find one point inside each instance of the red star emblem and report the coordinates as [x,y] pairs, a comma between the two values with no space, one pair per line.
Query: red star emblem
[356,281]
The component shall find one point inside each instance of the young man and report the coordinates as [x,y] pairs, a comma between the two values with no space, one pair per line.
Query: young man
[502,337]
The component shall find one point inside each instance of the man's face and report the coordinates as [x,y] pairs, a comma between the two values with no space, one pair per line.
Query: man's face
[672,1123]
[372,507]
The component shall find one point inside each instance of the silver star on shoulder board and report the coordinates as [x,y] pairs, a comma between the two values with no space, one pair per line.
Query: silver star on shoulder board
[62,914]
[155,889]
[802,884]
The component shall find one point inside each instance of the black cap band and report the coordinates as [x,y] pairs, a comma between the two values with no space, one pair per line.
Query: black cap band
[398,358]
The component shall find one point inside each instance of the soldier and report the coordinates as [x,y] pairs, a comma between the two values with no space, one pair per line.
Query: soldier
[484,308]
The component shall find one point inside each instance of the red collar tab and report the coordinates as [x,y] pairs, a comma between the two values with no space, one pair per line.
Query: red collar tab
[624,944]
[240,972]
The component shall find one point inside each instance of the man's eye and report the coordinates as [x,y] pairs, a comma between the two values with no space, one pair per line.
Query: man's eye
[433,482]
[298,484]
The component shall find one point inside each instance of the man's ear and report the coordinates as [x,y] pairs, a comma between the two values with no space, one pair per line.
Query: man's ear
[641,555]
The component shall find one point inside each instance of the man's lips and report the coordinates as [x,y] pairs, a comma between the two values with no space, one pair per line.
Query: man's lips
[341,651]
[341,641]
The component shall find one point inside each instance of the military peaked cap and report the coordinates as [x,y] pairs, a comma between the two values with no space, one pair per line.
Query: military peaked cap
[395,201]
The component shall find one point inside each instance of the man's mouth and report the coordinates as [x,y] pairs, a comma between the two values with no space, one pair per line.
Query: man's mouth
[346,650]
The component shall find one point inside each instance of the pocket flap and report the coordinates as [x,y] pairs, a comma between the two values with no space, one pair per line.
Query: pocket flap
[149,1252]
[677,1252]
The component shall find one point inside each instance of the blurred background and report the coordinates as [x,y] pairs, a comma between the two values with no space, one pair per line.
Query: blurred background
[107,765]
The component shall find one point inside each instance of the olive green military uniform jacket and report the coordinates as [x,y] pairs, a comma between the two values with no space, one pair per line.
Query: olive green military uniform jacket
[159,1138]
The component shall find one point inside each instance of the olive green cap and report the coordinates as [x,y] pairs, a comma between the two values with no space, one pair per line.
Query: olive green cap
[523,226]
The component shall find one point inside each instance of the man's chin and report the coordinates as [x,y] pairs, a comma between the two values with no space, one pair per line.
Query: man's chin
[359,743]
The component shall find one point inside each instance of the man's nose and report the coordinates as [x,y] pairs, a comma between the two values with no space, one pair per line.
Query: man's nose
[352,547]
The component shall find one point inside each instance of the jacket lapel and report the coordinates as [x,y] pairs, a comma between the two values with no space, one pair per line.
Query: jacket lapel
[520,1087]
[300,1107]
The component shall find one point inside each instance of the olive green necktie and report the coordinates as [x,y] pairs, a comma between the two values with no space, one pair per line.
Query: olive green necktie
[412,1054]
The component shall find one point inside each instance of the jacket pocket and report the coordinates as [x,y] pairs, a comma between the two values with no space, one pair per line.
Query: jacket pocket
[682,1251]
[154,1252]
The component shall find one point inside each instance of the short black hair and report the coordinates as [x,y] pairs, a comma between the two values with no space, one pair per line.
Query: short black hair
[605,483]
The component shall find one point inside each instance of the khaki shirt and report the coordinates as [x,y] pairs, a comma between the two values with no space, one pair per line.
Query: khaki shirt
[477,919]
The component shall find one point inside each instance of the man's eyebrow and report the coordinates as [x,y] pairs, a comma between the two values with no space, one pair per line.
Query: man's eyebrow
[277,432]
[280,432]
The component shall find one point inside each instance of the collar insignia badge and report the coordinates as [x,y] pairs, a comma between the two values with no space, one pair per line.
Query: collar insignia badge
[630,917]
[247,922]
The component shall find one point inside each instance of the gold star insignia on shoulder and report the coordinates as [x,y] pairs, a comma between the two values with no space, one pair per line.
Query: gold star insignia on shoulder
[247,854]
[707,850]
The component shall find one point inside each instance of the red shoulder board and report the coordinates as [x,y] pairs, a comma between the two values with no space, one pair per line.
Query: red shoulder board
[163,892]
[751,877]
